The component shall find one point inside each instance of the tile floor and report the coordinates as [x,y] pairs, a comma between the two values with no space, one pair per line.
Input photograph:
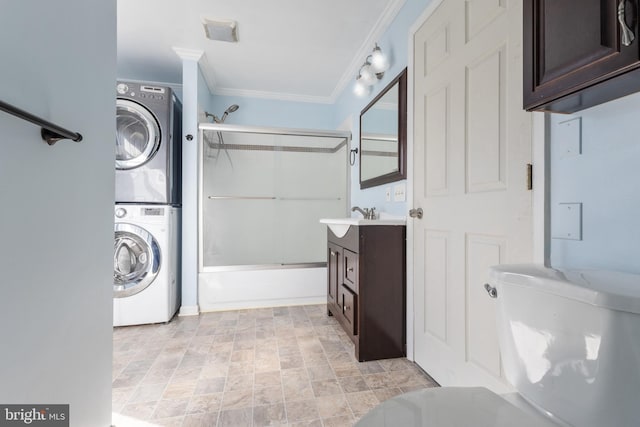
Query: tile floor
[274,366]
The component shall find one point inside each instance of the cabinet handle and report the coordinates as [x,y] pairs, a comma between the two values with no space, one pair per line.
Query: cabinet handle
[333,253]
[627,33]
[350,269]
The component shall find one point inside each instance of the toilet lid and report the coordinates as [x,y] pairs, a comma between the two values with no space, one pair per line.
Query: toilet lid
[450,407]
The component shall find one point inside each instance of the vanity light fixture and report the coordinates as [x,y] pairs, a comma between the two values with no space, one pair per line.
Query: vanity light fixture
[371,71]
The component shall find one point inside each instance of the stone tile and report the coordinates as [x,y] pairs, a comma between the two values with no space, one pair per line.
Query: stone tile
[395,364]
[408,377]
[291,361]
[158,376]
[387,393]
[372,367]
[346,370]
[239,382]
[362,402]
[237,399]
[235,417]
[266,379]
[353,384]
[269,415]
[240,368]
[120,396]
[209,385]
[141,410]
[267,395]
[276,362]
[268,363]
[380,380]
[131,379]
[341,421]
[167,361]
[306,423]
[179,389]
[302,410]
[214,370]
[332,406]
[326,388]
[147,393]
[169,422]
[184,374]
[190,361]
[138,366]
[208,419]
[205,403]
[169,408]
[244,356]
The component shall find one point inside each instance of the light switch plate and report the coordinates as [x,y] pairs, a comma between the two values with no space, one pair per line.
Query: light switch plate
[567,221]
[569,137]
[399,192]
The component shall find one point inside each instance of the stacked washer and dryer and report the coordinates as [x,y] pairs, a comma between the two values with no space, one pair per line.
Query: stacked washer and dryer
[146,261]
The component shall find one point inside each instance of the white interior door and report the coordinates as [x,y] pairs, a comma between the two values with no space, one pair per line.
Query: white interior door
[472,144]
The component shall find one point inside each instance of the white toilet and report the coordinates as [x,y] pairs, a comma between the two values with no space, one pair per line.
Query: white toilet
[570,346]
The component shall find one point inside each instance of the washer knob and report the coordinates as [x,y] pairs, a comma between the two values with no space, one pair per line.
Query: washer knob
[121,212]
[122,88]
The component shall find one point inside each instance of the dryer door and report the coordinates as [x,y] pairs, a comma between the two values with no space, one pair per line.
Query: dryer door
[137,134]
[136,260]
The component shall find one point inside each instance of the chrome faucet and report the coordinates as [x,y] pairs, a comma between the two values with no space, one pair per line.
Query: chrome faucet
[366,212]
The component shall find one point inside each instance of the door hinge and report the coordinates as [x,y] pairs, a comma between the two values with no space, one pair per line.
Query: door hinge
[529,176]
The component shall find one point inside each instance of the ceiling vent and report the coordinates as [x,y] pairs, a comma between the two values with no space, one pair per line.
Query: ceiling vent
[225,31]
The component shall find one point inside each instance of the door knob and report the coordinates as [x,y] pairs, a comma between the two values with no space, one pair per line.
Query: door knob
[416,213]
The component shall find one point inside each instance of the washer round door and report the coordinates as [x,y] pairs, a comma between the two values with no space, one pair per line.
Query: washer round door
[137,134]
[136,260]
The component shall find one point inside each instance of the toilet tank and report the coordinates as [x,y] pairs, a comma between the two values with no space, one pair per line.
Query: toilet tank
[570,341]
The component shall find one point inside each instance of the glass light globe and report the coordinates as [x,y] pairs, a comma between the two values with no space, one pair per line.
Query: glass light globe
[379,62]
[360,89]
[367,75]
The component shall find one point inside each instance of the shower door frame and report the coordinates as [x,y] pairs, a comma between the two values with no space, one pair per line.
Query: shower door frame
[262,130]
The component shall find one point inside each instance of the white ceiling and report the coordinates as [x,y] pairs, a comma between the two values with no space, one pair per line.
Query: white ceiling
[304,50]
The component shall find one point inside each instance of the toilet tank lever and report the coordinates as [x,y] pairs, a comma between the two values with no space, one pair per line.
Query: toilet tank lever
[493,292]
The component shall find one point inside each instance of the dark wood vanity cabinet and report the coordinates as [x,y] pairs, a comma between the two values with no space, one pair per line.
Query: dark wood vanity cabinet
[366,288]
[575,55]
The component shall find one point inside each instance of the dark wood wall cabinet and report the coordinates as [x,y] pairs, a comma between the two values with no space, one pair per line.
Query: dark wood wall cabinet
[579,53]
[367,288]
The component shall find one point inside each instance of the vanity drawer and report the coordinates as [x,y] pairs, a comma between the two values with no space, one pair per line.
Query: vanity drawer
[348,305]
[350,269]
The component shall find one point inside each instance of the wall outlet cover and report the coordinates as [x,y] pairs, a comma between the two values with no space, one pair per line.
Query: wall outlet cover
[569,137]
[387,194]
[567,221]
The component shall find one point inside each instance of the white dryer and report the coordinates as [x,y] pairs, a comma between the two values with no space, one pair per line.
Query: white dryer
[145,264]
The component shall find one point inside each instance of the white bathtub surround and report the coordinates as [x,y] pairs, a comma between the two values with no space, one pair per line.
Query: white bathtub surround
[233,290]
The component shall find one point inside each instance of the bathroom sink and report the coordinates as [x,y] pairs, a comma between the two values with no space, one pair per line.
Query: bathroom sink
[340,226]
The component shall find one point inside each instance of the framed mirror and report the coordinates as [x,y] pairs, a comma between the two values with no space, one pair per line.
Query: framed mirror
[383,135]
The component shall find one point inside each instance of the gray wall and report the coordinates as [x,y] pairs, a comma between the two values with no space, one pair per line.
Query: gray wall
[595,162]
[56,222]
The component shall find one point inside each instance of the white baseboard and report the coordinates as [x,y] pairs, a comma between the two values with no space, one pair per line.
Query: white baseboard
[189,310]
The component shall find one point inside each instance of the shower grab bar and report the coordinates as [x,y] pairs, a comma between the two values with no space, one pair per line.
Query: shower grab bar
[270,198]
[50,132]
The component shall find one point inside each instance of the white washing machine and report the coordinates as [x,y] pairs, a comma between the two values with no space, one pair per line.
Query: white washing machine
[145,264]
